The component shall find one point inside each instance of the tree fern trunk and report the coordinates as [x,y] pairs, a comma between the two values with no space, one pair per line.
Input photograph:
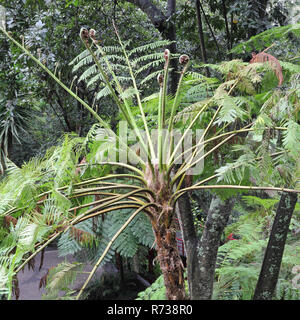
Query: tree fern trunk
[170,262]
[273,256]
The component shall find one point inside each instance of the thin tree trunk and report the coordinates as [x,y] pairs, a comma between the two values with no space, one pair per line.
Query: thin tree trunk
[226,25]
[210,28]
[273,256]
[119,262]
[190,241]
[200,31]
[202,254]
[207,250]
[170,34]
[165,24]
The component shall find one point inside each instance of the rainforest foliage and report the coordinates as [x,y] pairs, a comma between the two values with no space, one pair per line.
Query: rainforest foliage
[84,84]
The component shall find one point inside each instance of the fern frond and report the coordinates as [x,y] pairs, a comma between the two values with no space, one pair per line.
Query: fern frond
[150,46]
[76,239]
[291,139]
[103,93]
[126,243]
[191,110]
[4,275]
[235,172]
[267,38]
[89,72]
[156,56]
[263,203]
[62,276]
[142,230]
[81,56]
[153,64]
[231,108]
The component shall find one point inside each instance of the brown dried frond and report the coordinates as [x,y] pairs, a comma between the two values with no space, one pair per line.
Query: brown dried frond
[81,236]
[42,259]
[31,264]
[43,280]
[16,288]
[263,57]
[9,219]
[78,169]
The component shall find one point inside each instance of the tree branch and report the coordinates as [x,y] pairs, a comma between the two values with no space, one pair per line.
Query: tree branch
[155,15]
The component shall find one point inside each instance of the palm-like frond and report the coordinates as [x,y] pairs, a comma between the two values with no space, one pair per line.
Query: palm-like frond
[143,60]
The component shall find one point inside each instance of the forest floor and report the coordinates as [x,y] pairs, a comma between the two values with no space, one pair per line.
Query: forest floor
[29,280]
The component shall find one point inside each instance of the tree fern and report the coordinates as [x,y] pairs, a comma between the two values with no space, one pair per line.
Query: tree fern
[153,190]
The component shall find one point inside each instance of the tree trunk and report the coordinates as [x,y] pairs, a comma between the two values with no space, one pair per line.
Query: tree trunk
[224,8]
[202,255]
[165,24]
[273,256]
[258,7]
[170,34]
[210,28]
[170,261]
[119,262]
[163,224]
[190,241]
[216,221]
[200,32]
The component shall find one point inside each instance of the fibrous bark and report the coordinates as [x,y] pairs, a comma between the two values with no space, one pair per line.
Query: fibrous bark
[170,262]
[163,224]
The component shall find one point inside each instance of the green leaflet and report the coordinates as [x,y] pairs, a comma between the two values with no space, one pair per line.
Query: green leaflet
[266,38]
[291,139]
